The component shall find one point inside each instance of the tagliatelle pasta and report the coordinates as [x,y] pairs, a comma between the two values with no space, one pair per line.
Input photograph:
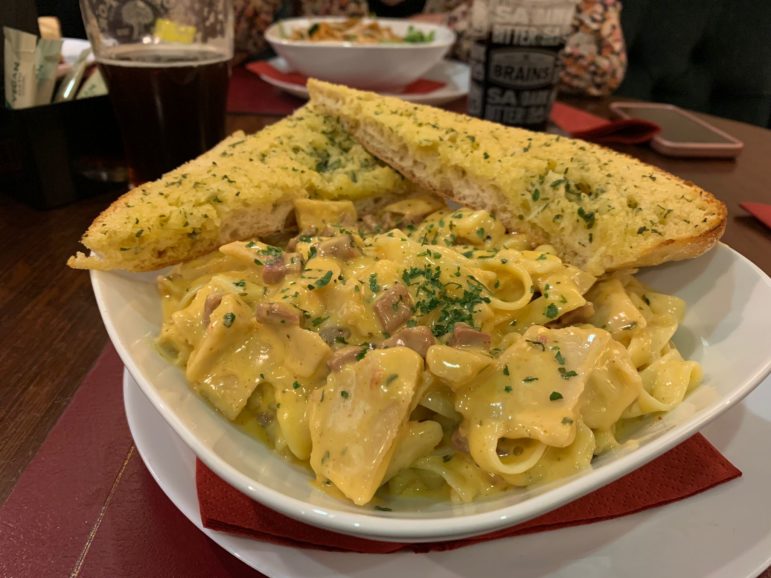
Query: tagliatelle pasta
[440,357]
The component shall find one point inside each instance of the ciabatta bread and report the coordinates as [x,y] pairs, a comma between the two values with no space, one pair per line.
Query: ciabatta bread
[600,209]
[242,188]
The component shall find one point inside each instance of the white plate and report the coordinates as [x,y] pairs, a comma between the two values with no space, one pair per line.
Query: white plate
[722,533]
[725,329]
[454,75]
[71,49]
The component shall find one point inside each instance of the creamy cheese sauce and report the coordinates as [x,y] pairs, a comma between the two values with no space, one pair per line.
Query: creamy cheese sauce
[425,352]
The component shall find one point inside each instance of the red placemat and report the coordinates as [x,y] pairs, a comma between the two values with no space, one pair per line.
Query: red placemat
[87,506]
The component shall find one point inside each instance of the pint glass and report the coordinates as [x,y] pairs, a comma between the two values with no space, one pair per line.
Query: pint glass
[167,65]
[515,59]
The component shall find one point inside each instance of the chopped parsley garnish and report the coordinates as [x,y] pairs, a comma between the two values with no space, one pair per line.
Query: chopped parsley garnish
[373,286]
[296,385]
[559,358]
[454,302]
[551,311]
[507,389]
[228,319]
[555,395]
[240,283]
[565,374]
[505,370]
[322,281]
[530,379]
[446,458]
[383,509]
[587,217]
[271,251]
[567,420]
[345,395]
[362,353]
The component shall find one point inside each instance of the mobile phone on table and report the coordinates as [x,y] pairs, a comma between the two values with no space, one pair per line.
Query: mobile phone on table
[682,134]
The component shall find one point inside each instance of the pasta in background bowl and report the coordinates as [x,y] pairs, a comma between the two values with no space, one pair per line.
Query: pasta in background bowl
[723,330]
[387,66]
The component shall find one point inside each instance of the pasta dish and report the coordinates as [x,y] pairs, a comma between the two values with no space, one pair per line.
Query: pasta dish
[425,352]
[358,31]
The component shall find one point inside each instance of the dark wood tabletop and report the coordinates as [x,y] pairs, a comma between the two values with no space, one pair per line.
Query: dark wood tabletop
[51,332]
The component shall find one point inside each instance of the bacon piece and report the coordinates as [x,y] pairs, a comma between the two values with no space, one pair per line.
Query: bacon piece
[343,356]
[212,302]
[332,335]
[464,335]
[459,441]
[341,247]
[419,339]
[370,224]
[277,314]
[264,418]
[394,307]
[276,269]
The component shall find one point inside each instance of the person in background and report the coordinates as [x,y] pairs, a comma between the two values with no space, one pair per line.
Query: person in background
[594,57]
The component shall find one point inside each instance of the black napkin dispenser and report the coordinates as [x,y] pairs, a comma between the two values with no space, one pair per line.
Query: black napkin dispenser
[55,154]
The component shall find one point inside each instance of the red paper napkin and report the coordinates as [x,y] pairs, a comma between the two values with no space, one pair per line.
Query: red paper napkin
[264,68]
[692,467]
[761,211]
[584,125]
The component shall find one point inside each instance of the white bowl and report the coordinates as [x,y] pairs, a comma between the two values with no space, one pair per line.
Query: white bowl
[387,66]
[725,329]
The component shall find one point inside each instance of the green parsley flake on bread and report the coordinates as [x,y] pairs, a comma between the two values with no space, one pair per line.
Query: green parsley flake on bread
[243,188]
[601,210]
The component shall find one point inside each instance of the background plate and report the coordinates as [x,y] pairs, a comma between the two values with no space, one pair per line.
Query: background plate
[455,76]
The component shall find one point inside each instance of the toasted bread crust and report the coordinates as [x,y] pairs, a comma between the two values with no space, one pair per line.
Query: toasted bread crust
[243,188]
[601,210]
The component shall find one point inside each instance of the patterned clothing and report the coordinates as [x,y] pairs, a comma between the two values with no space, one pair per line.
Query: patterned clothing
[594,57]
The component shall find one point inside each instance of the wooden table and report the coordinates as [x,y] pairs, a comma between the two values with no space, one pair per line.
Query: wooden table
[51,332]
